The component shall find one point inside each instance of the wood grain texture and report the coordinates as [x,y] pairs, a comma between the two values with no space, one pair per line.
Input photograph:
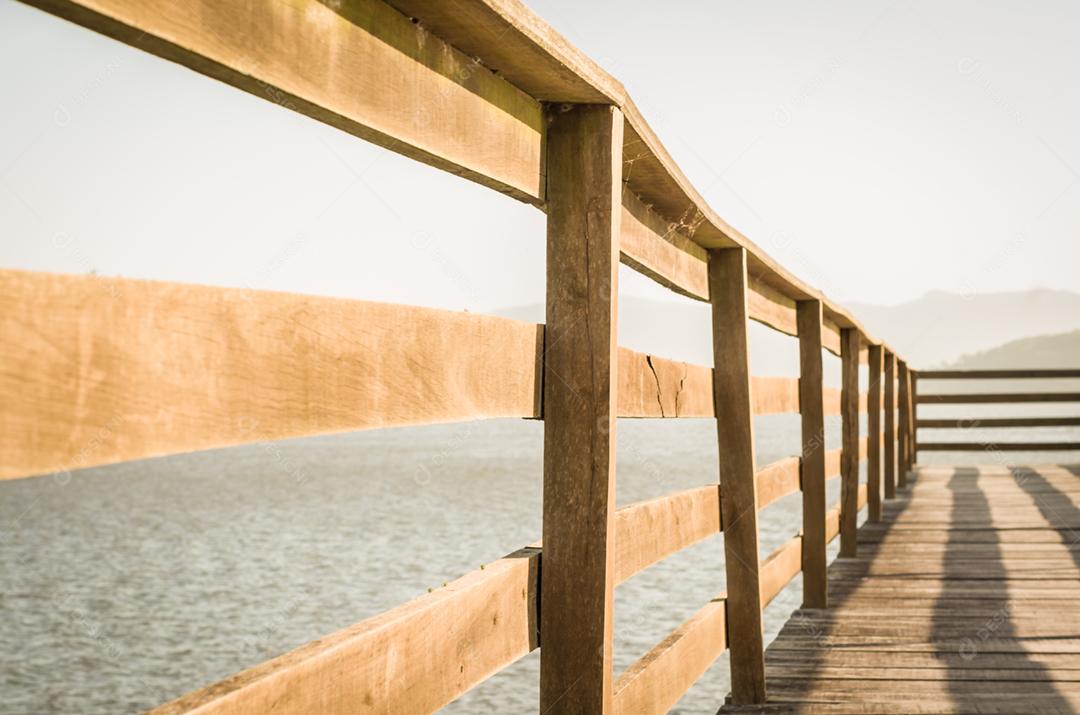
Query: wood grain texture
[651,386]
[833,460]
[831,398]
[101,370]
[660,250]
[648,531]
[961,612]
[890,425]
[875,368]
[580,388]
[830,337]
[849,459]
[415,658]
[814,468]
[659,678]
[735,434]
[774,395]
[777,480]
[780,567]
[769,306]
[903,429]
[361,66]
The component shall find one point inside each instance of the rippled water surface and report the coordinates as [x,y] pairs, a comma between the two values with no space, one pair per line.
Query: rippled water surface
[129,585]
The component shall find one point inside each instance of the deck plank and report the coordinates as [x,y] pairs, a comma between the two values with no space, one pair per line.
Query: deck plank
[965,599]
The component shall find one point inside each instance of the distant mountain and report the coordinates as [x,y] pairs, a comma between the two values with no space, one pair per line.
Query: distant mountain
[682,330]
[933,331]
[941,327]
[1041,352]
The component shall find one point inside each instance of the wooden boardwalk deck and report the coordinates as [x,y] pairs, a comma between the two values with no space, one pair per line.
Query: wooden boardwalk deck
[965,599]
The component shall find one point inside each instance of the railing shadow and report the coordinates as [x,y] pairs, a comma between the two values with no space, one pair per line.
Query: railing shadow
[975,595]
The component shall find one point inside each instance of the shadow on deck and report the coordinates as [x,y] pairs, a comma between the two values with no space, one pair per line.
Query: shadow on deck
[965,599]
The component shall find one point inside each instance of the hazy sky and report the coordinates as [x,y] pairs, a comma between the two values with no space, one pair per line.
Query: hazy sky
[879,149]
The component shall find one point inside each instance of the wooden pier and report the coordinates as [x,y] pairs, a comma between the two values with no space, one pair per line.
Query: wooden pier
[964,599]
[958,595]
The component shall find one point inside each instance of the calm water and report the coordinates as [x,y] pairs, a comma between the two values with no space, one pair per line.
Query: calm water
[127,586]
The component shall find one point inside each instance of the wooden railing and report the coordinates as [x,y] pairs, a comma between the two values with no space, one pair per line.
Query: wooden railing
[102,370]
[1013,397]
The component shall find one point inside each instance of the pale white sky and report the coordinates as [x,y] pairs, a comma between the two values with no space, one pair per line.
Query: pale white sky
[879,149]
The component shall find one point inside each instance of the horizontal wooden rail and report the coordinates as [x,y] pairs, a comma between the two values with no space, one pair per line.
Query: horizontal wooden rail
[832,462]
[997,446]
[981,422]
[994,374]
[831,400]
[101,370]
[415,658]
[960,399]
[774,395]
[778,480]
[651,386]
[415,76]
[648,531]
[779,568]
[659,678]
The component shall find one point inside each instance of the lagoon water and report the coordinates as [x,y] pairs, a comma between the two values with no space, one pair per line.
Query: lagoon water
[129,585]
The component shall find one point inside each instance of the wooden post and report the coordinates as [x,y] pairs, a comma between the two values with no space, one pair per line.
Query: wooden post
[735,434]
[890,425]
[903,441]
[849,459]
[584,177]
[873,428]
[812,409]
[913,421]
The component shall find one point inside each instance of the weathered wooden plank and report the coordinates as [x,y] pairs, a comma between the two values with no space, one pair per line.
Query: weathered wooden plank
[773,395]
[830,337]
[990,446]
[780,567]
[771,307]
[101,370]
[661,251]
[832,523]
[833,459]
[991,374]
[849,458]
[981,422]
[584,209]
[735,434]
[873,426]
[890,425]
[649,531]
[659,678]
[362,67]
[651,386]
[980,398]
[415,658]
[831,397]
[777,480]
[814,468]
[903,442]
